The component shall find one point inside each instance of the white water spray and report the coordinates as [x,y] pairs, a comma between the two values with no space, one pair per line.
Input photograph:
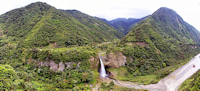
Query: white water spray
[102,71]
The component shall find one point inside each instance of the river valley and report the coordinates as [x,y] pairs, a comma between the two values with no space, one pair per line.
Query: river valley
[169,83]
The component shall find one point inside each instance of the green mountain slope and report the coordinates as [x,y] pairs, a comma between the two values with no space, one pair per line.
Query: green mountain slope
[172,25]
[40,24]
[156,46]
[94,23]
[160,40]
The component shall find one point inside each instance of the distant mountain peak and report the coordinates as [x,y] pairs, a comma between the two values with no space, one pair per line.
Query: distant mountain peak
[164,10]
[168,23]
[37,3]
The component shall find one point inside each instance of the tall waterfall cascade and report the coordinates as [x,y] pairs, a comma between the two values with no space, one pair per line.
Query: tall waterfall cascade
[102,70]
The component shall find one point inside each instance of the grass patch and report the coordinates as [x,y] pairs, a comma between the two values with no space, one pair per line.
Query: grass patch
[148,79]
[122,74]
[120,88]
[119,73]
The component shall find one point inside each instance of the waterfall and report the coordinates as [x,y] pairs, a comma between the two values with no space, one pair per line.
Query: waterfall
[102,70]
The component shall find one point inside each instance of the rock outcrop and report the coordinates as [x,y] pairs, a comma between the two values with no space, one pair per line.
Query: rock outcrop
[94,63]
[61,66]
[53,66]
[111,60]
[69,64]
[114,60]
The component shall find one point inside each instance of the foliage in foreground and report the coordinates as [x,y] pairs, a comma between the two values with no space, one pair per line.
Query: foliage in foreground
[120,88]
[191,84]
[29,77]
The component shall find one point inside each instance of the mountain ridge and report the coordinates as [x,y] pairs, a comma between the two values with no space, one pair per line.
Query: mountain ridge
[123,25]
[40,19]
[157,39]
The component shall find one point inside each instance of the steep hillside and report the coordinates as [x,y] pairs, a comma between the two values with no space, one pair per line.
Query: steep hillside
[160,40]
[173,26]
[94,24]
[40,24]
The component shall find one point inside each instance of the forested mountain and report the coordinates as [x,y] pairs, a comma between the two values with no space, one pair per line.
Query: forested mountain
[123,25]
[160,40]
[40,24]
[93,23]
[43,48]
[40,33]
[173,26]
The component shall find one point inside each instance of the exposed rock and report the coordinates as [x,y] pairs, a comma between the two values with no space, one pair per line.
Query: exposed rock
[93,62]
[61,66]
[111,75]
[91,59]
[41,64]
[53,65]
[78,64]
[69,64]
[114,60]
[142,43]
[121,59]
[46,63]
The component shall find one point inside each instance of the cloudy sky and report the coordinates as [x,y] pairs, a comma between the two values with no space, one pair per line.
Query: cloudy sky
[189,10]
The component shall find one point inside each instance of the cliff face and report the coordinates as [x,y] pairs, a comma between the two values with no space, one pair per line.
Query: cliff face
[52,65]
[114,60]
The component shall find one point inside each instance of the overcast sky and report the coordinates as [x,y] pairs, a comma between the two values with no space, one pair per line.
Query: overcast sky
[189,10]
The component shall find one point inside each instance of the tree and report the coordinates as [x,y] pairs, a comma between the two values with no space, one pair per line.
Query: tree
[111,85]
[85,77]
[7,75]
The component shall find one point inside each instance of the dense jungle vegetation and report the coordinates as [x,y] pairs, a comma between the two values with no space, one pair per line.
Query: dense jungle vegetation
[155,44]
[39,32]
[40,24]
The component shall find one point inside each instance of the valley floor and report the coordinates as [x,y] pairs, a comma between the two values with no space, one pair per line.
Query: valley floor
[171,82]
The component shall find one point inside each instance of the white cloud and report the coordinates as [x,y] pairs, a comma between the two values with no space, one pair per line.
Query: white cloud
[189,10]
